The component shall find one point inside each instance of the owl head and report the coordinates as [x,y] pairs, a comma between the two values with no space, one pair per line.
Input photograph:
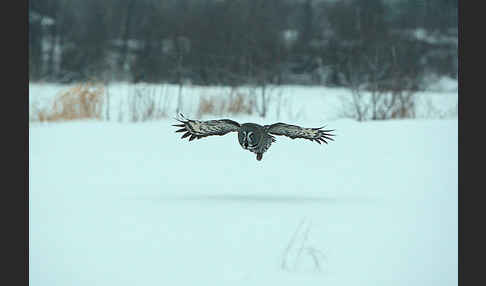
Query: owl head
[249,135]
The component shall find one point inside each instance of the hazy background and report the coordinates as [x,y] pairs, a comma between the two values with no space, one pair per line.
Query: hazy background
[235,42]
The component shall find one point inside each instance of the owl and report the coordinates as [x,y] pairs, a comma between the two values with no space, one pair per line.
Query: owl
[252,137]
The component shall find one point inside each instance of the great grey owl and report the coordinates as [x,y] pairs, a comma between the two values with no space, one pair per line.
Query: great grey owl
[252,137]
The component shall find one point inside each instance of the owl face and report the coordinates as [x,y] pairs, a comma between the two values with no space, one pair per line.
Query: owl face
[248,137]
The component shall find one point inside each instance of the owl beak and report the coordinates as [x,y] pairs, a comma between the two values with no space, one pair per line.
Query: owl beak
[245,145]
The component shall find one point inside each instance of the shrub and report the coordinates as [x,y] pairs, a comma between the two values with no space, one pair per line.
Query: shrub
[234,103]
[82,101]
[146,104]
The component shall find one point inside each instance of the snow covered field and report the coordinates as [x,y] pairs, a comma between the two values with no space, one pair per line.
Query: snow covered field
[287,102]
[131,204]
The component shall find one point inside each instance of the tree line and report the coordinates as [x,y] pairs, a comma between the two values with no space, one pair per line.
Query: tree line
[234,42]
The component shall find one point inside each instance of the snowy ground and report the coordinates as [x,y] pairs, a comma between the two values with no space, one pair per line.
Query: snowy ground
[115,203]
[132,204]
[288,102]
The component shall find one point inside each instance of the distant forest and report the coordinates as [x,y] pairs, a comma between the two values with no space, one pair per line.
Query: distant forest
[235,42]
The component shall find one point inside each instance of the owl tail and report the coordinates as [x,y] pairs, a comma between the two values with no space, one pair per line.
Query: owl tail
[259,156]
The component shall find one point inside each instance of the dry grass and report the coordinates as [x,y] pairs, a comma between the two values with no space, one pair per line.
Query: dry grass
[379,105]
[235,103]
[146,104]
[82,101]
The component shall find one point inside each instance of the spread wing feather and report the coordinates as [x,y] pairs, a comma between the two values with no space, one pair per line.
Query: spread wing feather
[314,134]
[198,129]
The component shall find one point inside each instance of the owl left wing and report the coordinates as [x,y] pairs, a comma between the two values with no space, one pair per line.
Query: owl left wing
[199,129]
[314,134]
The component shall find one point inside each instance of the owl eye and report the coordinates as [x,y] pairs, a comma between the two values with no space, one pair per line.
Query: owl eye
[250,136]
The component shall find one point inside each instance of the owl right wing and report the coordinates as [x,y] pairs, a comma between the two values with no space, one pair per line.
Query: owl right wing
[293,131]
[198,129]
